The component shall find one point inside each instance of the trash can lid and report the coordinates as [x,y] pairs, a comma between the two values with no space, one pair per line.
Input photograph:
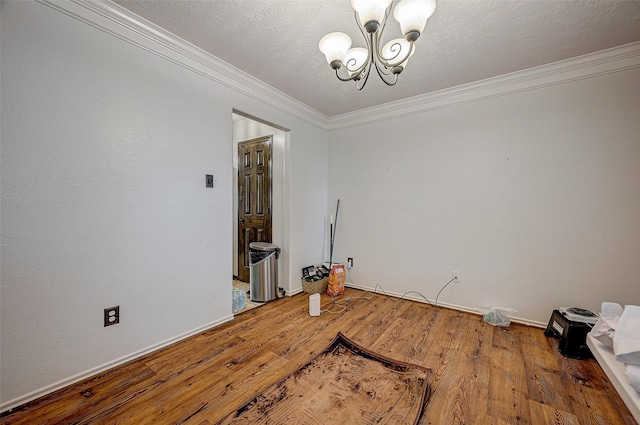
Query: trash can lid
[263,246]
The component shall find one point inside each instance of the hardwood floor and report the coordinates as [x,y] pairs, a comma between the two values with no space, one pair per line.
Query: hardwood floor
[481,374]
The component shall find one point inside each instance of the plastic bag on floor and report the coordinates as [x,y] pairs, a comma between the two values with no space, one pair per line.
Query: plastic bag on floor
[238,299]
[604,330]
[498,316]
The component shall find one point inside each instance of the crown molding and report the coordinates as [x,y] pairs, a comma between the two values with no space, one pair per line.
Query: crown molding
[594,64]
[119,22]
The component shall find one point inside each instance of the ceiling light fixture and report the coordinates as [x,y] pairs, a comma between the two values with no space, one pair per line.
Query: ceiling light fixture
[371,18]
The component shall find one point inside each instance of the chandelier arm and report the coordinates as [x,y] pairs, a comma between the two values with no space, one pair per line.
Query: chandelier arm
[363,80]
[361,28]
[376,58]
[383,69]
[391,62]
[384,20]
[349,78]
[357,74]
[384,74]
[360,72]
[375,46]
[358,78]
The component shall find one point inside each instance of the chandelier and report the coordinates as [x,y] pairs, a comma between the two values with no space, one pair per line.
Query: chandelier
[371,18]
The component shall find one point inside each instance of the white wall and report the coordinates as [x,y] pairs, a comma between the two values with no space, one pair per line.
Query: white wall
[105,147]
[534,197]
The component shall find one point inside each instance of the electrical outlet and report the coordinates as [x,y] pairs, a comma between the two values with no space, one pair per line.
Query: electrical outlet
[349,262]
[457,275]
[111,315]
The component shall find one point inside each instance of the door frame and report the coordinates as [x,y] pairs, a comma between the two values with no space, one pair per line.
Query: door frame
[281,187]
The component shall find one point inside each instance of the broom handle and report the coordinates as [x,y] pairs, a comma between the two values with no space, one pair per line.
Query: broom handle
[332,234]
[330,245]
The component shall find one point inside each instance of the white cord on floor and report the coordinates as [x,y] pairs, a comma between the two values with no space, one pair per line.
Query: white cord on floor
[343,303]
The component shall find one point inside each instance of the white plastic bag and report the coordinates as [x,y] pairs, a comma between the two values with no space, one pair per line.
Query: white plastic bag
[626,342]
[605,328]
[498,316]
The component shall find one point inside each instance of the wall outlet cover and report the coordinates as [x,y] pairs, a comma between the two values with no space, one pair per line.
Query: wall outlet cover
[111,316]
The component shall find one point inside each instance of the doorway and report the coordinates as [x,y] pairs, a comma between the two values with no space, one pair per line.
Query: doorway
[247,127]
[254,198]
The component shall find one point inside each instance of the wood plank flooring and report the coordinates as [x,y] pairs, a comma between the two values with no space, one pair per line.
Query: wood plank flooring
[481,374]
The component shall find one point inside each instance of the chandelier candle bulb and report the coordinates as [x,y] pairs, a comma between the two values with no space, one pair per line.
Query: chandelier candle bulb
[389,61]
[335,46]
[370,12]
[412,16]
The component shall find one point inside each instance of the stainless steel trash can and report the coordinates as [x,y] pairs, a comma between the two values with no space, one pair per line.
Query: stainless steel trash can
[263,271]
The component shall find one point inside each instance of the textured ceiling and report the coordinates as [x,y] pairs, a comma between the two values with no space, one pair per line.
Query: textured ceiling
[276,41]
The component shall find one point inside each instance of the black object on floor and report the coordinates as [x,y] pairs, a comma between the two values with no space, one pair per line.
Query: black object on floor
[573,335]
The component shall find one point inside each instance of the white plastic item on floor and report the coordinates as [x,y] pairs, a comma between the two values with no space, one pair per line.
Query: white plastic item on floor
[314,305]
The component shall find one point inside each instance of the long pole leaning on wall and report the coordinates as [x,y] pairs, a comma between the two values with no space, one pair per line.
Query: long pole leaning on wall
[332,234]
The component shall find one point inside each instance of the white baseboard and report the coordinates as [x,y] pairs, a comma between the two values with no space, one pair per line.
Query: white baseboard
[451,306]
[293,292]
[12,404]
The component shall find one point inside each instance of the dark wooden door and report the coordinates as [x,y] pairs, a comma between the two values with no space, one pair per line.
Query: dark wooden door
[254,198]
